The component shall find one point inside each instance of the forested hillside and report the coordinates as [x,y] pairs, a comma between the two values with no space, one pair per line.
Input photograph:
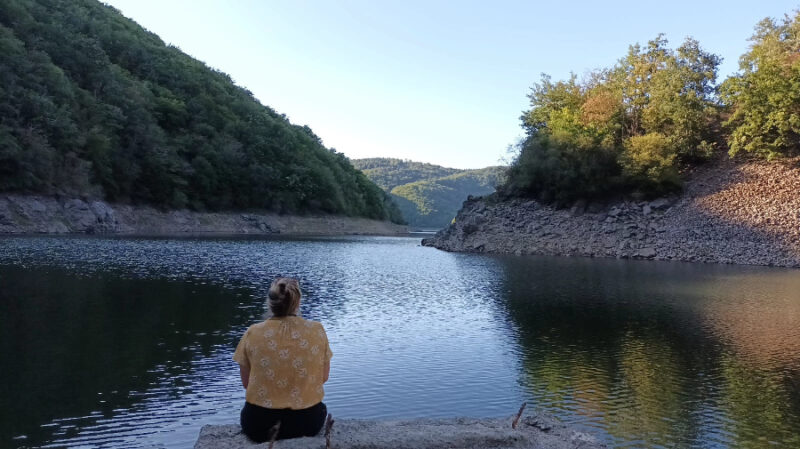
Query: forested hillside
[91,104]
[390,173]
[429,195]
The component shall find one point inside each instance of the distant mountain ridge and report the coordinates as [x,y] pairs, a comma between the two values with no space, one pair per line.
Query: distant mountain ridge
[428,195]
[389,173]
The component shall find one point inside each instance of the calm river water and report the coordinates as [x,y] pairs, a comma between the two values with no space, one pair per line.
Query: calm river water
[128,341]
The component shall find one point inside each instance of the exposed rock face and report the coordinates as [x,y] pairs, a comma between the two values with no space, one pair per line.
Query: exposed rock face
[533,432]
[730,212]
[48,215]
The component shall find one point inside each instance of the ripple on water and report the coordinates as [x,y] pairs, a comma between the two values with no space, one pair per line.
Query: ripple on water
[641,354]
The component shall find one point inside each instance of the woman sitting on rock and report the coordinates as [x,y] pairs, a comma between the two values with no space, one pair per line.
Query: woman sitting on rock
[283,362]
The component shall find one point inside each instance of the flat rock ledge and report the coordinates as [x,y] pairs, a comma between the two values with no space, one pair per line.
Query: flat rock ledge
[532,432]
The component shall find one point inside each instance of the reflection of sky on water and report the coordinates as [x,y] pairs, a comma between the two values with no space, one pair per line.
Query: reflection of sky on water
[440,350]
[641,354]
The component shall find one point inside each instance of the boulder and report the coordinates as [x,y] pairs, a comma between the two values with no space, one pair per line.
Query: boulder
[56,227]
[30,208]
[78,216]
[647,252]
[660,204]
[105,217]
[35,206]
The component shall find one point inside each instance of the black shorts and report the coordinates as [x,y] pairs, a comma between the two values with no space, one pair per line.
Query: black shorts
[258,421]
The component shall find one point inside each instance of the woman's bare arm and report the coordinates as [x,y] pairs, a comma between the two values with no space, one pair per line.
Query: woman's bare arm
[326,371]
[244,372]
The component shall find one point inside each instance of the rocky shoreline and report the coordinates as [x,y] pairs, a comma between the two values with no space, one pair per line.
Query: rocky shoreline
[533,432]
[28,214]
[730,212]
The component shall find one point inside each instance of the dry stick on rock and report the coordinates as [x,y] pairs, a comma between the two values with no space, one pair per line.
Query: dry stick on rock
[519,414]
[274,430]
[328,426]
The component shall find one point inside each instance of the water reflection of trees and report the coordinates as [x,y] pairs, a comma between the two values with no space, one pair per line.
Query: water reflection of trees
[762,409]
[628,347]
[760,324]
[71,345]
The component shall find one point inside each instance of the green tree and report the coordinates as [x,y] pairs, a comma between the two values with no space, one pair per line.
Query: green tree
[650,159]
[764,97]
[621,129]
[674,93]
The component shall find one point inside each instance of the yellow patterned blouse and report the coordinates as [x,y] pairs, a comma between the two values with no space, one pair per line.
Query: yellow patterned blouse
[287,359]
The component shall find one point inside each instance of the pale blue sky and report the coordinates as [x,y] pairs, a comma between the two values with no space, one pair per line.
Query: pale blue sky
[434,81]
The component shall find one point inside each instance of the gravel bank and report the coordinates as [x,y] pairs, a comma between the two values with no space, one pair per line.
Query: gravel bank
[533,432]
[730,212]
[22,214]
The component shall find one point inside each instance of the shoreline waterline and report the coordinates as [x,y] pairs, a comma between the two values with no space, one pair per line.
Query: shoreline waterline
[36,214]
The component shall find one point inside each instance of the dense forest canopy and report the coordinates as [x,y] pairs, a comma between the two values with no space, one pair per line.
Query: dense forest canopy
[91,104]
[390,172]
[634,126]
[625,127]
[429,195]
[433,203]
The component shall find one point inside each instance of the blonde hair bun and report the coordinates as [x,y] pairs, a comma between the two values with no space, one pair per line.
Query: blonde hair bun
[284,296]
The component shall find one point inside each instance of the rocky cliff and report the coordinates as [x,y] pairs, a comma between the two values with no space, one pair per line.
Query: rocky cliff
[47,215]
[730,212]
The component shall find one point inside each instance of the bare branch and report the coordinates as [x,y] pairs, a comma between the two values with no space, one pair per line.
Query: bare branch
[519,414]
[328,425]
